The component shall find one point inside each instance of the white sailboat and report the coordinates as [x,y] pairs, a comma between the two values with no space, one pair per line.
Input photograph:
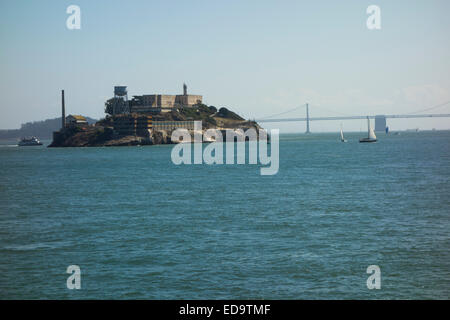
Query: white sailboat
[371,137]
[342,135]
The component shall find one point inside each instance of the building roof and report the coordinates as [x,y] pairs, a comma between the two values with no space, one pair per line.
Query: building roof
[77,117]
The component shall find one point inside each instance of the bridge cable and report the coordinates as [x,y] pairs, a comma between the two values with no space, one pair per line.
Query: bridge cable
[434,107]
[332,111]
[279,114]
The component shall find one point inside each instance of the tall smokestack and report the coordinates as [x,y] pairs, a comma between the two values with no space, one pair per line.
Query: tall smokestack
[63,107]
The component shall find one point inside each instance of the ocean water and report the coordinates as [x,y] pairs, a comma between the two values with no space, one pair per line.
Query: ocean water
[140,227]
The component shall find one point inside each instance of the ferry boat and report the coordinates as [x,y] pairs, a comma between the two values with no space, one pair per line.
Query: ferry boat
[33,141]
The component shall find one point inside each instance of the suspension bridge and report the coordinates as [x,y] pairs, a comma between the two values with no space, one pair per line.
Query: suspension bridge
[380,120]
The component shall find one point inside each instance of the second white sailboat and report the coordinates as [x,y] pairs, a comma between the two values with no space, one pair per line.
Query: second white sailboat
[342,135]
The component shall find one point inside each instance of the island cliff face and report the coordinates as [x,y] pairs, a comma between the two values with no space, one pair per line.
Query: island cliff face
[108,132]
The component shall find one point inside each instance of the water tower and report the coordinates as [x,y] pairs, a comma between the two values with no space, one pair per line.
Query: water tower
[120,100]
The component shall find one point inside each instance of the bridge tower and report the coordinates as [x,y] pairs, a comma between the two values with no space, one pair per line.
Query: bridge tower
[380,123]
[307,119]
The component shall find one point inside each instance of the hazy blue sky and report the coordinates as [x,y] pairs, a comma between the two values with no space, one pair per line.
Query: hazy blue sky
[255,57]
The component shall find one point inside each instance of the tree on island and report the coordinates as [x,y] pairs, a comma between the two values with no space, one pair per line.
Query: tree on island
[116,106]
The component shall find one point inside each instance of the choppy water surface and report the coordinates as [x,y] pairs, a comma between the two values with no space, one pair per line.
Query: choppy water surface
[140,227]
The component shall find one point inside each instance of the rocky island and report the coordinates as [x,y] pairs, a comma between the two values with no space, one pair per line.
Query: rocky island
[145,120]
[144,129]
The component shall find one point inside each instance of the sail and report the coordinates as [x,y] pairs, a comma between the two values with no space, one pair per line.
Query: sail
[342,134]
[368,127]
[372,134]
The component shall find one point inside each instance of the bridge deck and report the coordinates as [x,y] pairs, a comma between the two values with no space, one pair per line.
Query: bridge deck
[390,116]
